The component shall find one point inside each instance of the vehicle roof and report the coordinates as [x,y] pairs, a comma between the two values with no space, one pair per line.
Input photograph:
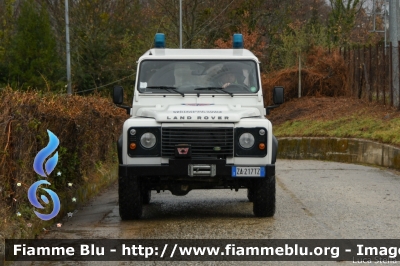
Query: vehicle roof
[198,54]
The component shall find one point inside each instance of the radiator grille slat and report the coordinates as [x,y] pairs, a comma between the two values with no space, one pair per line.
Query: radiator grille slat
[208,142]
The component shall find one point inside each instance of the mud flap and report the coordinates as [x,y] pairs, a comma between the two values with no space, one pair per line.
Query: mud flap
[274,149]
[119,149]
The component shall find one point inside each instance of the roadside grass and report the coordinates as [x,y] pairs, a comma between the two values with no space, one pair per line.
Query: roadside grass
[359,125]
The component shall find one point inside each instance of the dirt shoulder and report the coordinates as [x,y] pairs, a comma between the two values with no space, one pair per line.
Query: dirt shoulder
[337,117]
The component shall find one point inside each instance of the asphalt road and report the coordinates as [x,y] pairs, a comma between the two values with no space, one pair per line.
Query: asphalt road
[317,200]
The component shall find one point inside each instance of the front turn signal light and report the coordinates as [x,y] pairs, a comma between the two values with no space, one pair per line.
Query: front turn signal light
[132,146]
[261,146]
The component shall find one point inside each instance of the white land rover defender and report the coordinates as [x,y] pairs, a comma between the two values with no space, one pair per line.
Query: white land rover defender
[197,122]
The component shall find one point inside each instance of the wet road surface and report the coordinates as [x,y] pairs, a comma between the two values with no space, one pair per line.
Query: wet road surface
[315,200]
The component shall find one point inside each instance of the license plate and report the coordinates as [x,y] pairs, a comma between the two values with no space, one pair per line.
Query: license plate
[249,171]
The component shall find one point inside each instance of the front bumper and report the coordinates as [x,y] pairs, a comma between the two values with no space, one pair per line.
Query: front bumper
[178,168]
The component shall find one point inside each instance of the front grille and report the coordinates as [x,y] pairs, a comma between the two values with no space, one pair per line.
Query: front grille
[205,142]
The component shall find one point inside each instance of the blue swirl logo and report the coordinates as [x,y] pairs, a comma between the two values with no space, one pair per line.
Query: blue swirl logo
[44,153]
[49,166]
[32,198]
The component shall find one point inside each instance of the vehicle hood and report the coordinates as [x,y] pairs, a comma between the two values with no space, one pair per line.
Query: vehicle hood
[198,113]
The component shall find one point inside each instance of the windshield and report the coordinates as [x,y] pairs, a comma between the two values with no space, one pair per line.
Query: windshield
[196,76]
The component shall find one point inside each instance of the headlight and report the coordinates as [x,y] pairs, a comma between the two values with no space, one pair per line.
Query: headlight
[148,140]
[246,140]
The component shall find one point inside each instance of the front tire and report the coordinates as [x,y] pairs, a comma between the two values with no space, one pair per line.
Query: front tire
[250,194]
[146,195]
[130,198]
[264,197]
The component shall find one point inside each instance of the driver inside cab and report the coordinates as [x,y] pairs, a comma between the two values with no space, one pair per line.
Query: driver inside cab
[227,79]
[230,76]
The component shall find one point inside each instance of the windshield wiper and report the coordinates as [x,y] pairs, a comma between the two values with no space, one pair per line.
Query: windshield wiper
[167,88]
[214,89]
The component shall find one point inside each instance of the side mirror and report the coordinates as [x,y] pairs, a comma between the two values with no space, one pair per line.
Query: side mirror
[118,95]
[278,98]
[118,98]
